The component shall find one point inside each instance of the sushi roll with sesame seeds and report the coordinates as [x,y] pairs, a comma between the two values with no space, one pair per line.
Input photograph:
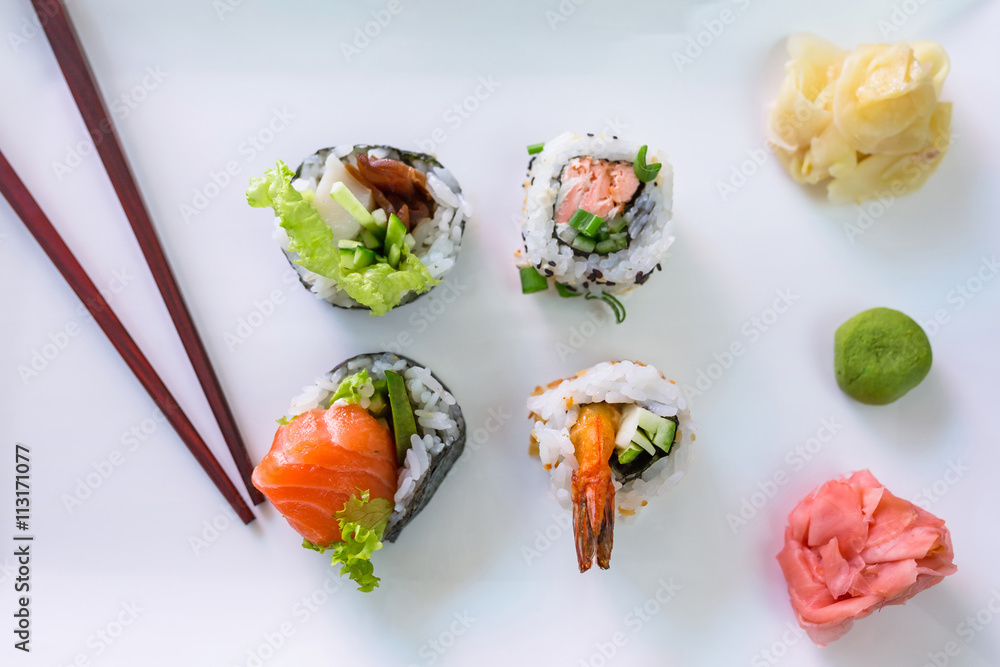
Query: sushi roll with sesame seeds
[596,216]
[366,227]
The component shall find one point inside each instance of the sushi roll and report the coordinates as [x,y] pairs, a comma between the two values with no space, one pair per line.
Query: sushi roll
[612,437]
[596,216]
[359,454]
[369,227]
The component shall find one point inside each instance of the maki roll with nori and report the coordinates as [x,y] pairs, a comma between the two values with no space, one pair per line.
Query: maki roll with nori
[368,227]
[359,454]
[612,437]
[596,216]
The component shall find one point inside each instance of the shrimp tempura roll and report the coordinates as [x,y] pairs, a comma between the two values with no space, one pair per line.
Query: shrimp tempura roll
[612,437]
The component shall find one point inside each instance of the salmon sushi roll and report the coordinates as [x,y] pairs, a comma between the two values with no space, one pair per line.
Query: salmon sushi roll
[612,437]
[366,227]
[596,216]
[359,454]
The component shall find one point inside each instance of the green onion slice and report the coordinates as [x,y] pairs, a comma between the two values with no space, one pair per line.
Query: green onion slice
[645,172]
[614,304]
[585,222]
[534,149]
[532,281]
[566,292]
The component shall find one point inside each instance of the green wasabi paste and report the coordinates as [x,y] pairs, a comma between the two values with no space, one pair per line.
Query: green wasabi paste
[879,355]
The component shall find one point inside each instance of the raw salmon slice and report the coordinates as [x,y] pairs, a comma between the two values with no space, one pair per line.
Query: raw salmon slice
[319,460]
[600,187]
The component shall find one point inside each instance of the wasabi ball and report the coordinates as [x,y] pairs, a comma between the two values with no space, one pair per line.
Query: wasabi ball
[879,355]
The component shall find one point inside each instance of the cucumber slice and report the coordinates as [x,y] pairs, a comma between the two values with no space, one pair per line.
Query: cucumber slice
[649,422]
[606,246]
[370,240]
[363,257]
[404,426]
[377,405]
[395,233]
[664,438]
[639,438]
[583,243]
[395,254]
[347,243]
[380,217]
[347,258]
[617,224]
[626,456]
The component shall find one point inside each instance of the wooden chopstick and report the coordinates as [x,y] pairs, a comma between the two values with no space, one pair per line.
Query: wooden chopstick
[38,224]
[76,70]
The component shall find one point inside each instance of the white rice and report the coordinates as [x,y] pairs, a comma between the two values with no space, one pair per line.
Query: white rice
[648,216]
[431,402]
[438,238]
[555,411]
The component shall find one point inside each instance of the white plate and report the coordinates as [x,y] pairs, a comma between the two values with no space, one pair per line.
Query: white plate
[194,82]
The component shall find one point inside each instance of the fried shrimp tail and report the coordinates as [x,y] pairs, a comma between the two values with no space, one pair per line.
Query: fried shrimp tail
[593,492]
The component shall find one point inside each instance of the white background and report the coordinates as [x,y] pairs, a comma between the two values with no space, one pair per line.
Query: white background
[134,538]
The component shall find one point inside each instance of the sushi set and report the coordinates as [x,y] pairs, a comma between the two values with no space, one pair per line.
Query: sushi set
[373,227]
[361,458]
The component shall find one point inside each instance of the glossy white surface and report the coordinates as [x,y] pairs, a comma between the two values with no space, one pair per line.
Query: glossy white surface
[463,585]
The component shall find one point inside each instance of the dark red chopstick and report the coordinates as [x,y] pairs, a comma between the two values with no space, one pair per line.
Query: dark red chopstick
[38,224]
[76,70]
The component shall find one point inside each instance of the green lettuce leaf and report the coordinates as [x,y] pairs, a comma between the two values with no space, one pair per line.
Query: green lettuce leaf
[379,286]
[362,525]
[350,388]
